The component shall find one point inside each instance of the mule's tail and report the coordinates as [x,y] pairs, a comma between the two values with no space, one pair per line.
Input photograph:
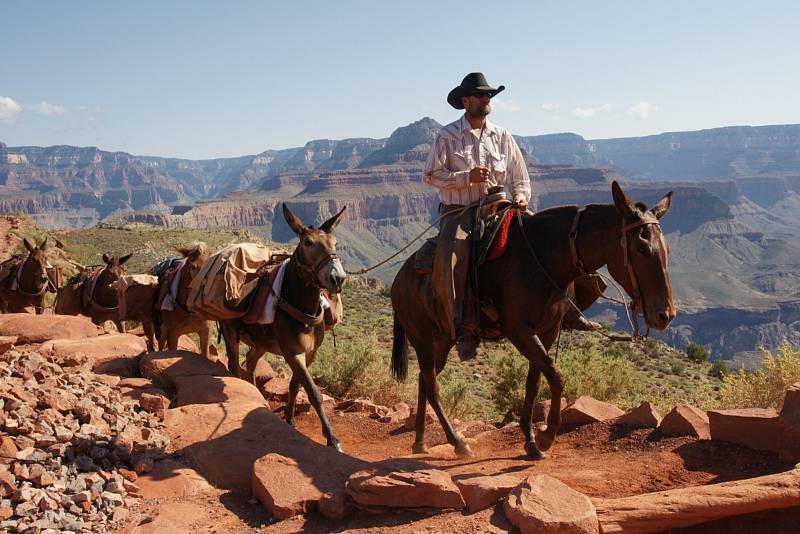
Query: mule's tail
[399,351]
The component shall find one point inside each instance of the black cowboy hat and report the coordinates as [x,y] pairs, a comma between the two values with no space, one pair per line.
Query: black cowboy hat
[474,82]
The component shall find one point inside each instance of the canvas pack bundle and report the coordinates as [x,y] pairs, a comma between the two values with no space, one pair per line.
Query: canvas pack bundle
[216,291]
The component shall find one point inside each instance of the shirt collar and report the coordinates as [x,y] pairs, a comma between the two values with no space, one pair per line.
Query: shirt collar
[465,126]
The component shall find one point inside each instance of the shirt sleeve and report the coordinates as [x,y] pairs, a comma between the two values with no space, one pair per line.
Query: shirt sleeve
[520,181]
[436,172]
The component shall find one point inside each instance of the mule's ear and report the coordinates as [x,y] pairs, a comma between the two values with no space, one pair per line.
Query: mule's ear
[27,244]
[661,209]
[621,200]
[43,246]
[294,223]
[106,258]
[123,259]
[331,223]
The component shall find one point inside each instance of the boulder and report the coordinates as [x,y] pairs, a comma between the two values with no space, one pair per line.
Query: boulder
[170,479]
[424,488]
[755,428]
[541,409]
[224,440]
[363,405]
[263,373]
[135,382]
[276,389]
[399,414]
[789,422]
[481,492]
[155,404]
[205,389]
[172,364]
[643,416]
[542,504]
[134,395]
[289,486]
[685,420]
[6,342]
[186,343]
[587,410]
[108,353]
[30,329]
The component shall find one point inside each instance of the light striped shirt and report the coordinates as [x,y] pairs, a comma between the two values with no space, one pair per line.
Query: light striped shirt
[457,149]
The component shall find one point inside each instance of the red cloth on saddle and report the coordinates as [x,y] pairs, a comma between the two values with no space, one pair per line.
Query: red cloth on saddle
[501,240]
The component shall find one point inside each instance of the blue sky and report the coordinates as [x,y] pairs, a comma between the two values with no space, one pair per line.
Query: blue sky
[212,79]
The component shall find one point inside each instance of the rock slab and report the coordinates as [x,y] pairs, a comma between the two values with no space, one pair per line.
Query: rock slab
[484,491]
[205,389]
[789,421]
[291,486]
[544,505]
[685,420]
[172,364]
[755,428]
[31,329]
[423,488]
[587,410]
[643,416]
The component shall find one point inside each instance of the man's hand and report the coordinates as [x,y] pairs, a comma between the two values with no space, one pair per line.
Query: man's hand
[478,175]
[521,203]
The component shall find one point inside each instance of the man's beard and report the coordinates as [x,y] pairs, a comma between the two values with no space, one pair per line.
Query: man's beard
[479,112]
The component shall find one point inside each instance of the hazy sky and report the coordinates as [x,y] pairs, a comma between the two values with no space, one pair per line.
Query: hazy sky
[209,79]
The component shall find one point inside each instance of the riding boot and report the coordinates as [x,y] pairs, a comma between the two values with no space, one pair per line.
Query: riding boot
[467,337]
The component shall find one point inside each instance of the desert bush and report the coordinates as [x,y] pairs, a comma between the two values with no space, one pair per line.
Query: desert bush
[766,387]
[696,352]
[357,368]
[588,369]
[719,369]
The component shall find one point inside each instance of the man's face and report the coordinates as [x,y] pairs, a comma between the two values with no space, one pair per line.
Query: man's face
[477,104]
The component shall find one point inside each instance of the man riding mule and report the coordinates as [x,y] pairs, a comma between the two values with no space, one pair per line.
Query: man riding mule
[468,157]
[24,282]
[527,289]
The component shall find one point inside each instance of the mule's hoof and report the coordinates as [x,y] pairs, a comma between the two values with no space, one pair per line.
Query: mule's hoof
[291,423]
[419,448]
[463,450]
[336,445]
[533,452]
[545,441]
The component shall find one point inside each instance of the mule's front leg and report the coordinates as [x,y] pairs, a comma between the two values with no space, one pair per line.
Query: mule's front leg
[205,339]
[291,401]
[529,345]
[231,337]
[419,423]
[300,371]
[149,335]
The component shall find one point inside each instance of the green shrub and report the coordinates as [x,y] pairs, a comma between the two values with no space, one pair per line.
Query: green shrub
[766,387]
[603,373]
[696,352]
[719,368]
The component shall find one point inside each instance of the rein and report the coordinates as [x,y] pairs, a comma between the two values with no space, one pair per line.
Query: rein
[291,310]
[19,282]
[90,300]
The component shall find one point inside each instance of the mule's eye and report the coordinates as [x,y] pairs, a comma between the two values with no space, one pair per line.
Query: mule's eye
[309,243]
[642,246]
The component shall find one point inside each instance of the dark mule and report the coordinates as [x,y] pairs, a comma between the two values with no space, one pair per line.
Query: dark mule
[94,293]
[529,308]
[172,323]
[298,329]
[25,283]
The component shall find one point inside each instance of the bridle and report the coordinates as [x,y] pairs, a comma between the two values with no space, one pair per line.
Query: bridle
[636,305]
[311,279]
[19,281]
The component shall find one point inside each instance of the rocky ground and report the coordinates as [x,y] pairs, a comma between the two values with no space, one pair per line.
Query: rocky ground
[98,437]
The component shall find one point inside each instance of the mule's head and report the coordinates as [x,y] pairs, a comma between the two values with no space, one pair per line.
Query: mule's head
[114,270]
[34,270]
[316,252]
[196,254]
[639,258]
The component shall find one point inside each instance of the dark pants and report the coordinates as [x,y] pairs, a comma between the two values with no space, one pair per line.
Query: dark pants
[451,273]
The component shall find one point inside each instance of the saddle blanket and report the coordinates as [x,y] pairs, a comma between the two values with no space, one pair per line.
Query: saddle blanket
[267,315]
[168,304]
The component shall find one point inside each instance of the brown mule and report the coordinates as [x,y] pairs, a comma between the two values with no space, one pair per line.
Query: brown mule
[26,283]
[94,293]
[298,329]
[526,286]
[172,323]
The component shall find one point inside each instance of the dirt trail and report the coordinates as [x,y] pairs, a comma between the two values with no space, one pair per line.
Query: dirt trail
[598,460]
